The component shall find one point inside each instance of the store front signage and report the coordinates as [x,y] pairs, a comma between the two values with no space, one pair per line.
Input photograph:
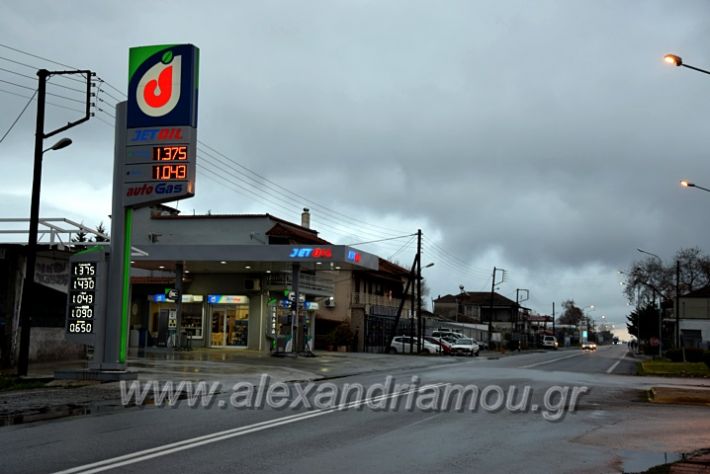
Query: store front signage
[307,305]
[162,298]
[311,252]
[161,152]
[162,86]
[227,299]
[354,256]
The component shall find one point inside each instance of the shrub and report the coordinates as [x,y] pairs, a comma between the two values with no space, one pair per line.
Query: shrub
[706,358]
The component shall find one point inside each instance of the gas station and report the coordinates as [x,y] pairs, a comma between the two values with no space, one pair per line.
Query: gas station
[227,291]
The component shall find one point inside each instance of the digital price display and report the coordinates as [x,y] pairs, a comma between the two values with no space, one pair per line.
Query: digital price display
[170,153]
[82,297]
[169,172]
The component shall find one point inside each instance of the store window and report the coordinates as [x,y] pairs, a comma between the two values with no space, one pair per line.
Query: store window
[192,316]
[229,325]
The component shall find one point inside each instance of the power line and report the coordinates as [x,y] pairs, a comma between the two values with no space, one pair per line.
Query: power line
[48,102]
[260,187]
[18,116]
[37,68]
[381,240]
[49,83]
[37,57]
[112,87]
[409,242]
[48,93]
[381,230]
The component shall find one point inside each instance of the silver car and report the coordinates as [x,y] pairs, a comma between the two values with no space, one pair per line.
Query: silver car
[465,346]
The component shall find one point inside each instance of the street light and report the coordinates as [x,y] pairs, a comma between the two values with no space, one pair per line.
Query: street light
[688,184]
[660,301]
[678,61]
[31,259]
[63,143]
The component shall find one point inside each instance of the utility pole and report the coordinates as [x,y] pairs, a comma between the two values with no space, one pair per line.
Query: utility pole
[554,332]
[677,304]
[420,326]
[28,297]
[490,314]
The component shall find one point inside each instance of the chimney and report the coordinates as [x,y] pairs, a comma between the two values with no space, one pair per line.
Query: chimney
[306,218]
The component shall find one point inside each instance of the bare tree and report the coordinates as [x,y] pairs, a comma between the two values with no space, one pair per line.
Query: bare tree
[650,276]
[571,313]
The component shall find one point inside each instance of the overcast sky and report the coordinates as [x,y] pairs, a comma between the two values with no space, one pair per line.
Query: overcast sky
[545,138]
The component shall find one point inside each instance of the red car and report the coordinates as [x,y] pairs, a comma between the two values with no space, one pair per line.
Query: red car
[445,346]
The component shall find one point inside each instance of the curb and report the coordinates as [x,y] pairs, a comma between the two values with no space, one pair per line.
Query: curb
[679,396]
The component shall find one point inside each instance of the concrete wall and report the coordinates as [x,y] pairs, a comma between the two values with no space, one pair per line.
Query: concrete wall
[202,231]
[49,344]
[697,324]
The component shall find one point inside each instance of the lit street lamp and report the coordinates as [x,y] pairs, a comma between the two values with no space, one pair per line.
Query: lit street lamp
[688,184]
[678,61]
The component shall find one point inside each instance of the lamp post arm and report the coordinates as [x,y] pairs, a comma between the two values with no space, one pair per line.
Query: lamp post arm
[701,187]
[695,68]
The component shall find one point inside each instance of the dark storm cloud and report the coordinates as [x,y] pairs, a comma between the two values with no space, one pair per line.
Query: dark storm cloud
[548,135]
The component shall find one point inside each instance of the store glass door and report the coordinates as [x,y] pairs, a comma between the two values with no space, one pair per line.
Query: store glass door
[230,325]
[219,326]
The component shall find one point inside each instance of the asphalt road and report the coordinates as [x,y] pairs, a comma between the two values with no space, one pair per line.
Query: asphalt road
[609,429]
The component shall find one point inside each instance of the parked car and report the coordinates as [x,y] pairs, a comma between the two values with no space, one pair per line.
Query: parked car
[402,344]
[482,344]
[465,346]
[449,337]
[589,346]
[446,333]
[444,345]
[550,342]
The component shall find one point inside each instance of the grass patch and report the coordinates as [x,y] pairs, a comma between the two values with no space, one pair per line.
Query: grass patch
[15,383]
[673,369]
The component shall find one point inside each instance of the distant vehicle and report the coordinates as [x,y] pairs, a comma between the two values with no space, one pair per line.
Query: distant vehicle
[589,346]
[465,346]
[443,344]
[402,344]
[550,342]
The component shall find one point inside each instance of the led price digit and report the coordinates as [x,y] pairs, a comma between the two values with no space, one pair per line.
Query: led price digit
[82,298]
[84,283]
[170,153]
[82,312]
[168,172]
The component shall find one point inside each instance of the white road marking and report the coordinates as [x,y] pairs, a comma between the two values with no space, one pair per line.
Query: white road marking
[545,362]
[611,369]
[170,448]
